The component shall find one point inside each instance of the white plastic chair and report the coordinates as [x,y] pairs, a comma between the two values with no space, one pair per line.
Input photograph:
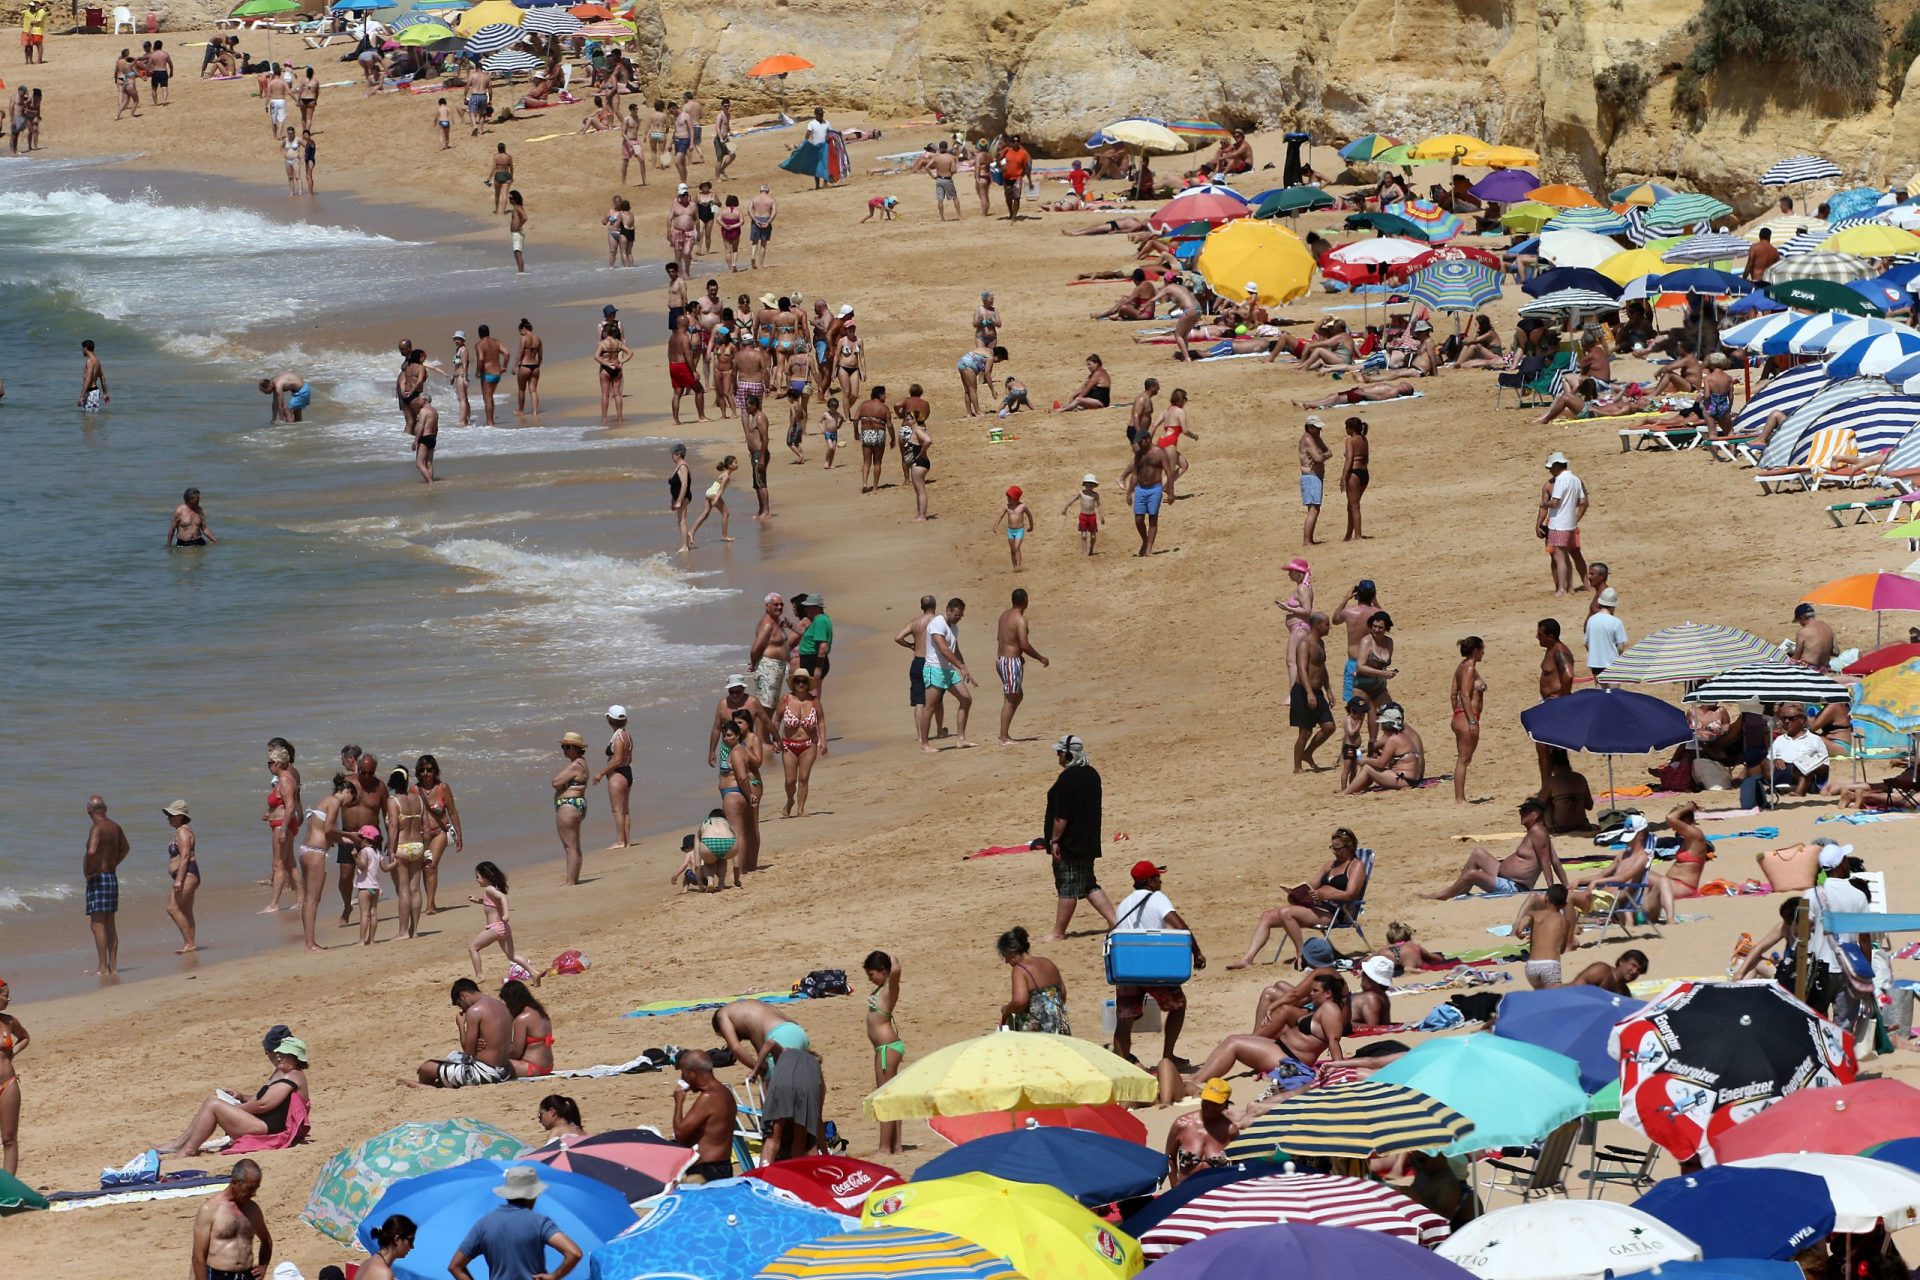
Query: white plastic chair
[123,16]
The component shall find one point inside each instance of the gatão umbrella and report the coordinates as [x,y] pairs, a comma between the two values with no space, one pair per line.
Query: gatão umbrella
[1690,651]
[838,1184]
[1039,1231]
[1865,1192]
[354,1180]
[779,64]
[1688,209]
[1528,218]
[1109,1118]
[1565,1240]
[1322,1253]
[1744,1213]
[1504,186]
[1091,1167]
[1706,1056]
[1769,682]
[1009,1070]
[638,1163]
[1447,146]
[1362,150]
[1839,1121]
[1576,1022]
[1247,252]
[1352,1121]
[1513,1092]
[1295,1198]
[445,1205]
[723,1231]
[886,1252]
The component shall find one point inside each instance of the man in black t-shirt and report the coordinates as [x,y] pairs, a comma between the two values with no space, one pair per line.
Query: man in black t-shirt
[1073,835]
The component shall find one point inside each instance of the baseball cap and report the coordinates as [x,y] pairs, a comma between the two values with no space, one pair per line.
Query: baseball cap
[1556,459]
[1216,1090]
[1013,491]
[1608,598]
[1802,611]
[607,310]
[1832,855]
[736,682]
[1144,870]
[1379,968]
[616,712]
[683,189]
[1091,479]
[844,312]
[369,832]
[1314,424]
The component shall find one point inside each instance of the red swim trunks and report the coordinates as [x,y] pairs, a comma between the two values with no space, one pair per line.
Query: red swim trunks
[1089,522]
[682,376]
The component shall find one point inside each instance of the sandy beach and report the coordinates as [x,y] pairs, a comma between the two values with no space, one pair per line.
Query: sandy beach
[1171,668]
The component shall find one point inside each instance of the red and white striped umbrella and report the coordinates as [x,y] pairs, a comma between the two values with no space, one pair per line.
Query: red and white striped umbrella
[1320,1199]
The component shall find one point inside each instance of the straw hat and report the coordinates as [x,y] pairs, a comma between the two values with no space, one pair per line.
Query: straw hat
[572,739]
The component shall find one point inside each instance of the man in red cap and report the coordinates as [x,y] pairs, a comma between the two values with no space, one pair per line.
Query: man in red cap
[1018,519]
[1147,907]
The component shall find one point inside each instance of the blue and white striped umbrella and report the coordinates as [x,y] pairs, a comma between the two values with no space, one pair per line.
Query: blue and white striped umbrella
[1566,301]
[1711,246]
[1688,209]
[1638,232]
[551,20]
[1749,333]
[1800,169]
[1838,333]
[510,60]
[1600,220]
[1801,243]
[1906,454]
[1455,284]
[1874,356]
[1864,406]
[1785,393]
[1702,282]
[491,38]
[1905,375]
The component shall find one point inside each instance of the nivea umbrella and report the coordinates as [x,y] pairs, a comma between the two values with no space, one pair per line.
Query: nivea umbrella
[1575,1021]
[1608,722]
[1744,1213]
[1324,1253]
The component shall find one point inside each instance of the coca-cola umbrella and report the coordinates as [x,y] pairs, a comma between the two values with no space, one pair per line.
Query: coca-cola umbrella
[1707,1055]
[837,1183]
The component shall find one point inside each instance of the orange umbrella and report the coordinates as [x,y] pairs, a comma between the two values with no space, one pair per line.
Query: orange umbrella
[591,12]
[1562,196]
[779,64]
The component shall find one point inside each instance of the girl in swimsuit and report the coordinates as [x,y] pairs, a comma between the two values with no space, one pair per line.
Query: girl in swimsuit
[530,1047]
[612,355]
[803,735]
[443,824]
[736,735]
[1342,880]
[1469,702]
[492,899]
[283,799]
[13,1041]
[1297,606]
[570,801]
[369,861]
[618,775]
[730,219]
[407,823]
[1039,998]
[183,874]
[883,1032]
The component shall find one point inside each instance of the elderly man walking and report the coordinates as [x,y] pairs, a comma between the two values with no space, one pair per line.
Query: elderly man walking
[107,848]
[1073,836]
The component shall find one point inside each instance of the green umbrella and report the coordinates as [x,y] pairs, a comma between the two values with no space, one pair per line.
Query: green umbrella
[1388,224]
[16,1196]
[355,1179]
[1605,1105]
[1822,295]
[422,34]
[266,8]
[1528,218]
[1291,201]
[1514,1093]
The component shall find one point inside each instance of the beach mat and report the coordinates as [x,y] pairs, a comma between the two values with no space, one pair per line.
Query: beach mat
[998,850]
[174,1186]
[1862,819]
[660,1059]
[694,1004]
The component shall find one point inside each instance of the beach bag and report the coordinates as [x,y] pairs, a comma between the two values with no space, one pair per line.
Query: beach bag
[822,983]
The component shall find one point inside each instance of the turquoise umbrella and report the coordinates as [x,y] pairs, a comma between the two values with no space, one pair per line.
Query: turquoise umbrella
[1688,209]
[1455,284]
[1600,221]
[1514,1093]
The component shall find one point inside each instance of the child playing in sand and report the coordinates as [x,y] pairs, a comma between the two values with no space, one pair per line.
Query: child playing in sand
[1353,731]
[717,498]
[368,863]
[706,856]
[1089,500]
[796,422]
[493,900]
[882,205]
[830,421]
[1408,954]
[443,120]
[1018,519]
[1014,398]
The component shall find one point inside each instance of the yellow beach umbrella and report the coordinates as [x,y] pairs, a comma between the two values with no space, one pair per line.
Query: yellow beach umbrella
[1248,252]
[1911,529]
[488,12]
[1501,158]
[1625,268]
[1039,1230]
[1890,699]
[1146,135]
[1449,146]
[1528,218]
[1009,1071]
[1871,240]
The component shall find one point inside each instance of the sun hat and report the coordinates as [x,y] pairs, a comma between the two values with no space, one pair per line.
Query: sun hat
[1069,742]
[1379,968]
[768,300]
[1296,565]
[683,189]
[609,310]
[1608,598]
[459,335]
[1253,289]
[178,809]
[520,1182]
[616,712]
[572,739]
[736,682]
[293,1047]
[1091,479]
[1392,715]
[1556,459]
[1145,870]
[788,1035]
[1216,1090]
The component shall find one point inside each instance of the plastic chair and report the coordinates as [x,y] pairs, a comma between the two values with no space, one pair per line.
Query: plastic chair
[122,15]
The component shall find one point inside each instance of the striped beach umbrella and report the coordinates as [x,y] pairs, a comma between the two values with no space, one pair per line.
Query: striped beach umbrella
[1597,220]
[1834,331]
[1800,169]
[491,38]
[1644,195]
[551,20]
[1801,243]
[406,20]
[1319,1199]
[1820,265]
[1434,222]
[1874,355]
[1688,209]
[1769,682]
[887,1252]
[1570,302]
[1203,130]
[511,60]
[1455,285]
[1750,333]
[1709,246]
[1352,1121]
[1362,150]
[1690,651]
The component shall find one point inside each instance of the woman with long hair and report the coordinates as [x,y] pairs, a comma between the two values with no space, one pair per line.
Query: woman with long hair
[530,1044]
[1469,698]
[443,825]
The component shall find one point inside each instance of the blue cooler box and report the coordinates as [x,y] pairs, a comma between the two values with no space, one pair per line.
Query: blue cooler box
[1149,957]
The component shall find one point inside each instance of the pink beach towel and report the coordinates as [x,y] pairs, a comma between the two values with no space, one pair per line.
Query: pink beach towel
[295,1131]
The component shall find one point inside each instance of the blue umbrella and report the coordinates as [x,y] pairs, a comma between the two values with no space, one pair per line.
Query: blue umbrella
[1902,275]
[1325,1253]
[1847,204]
[1570,278]
[1754,304]
[1904,1152]
[1703,280]
[1726,1269]
[723,1231]
[1091,1167]
[1607,722]
[1882,292]
[1576,1021]
[357,6]
[445,1205]
[1162,1206]
[1731,1212]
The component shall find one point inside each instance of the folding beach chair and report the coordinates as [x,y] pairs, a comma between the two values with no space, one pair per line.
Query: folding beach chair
[1346,915]
[1629,901]
[749,1129]
[1630,1166]
[1536,1171]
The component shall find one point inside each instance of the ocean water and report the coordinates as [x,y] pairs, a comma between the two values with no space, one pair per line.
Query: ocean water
[344,602]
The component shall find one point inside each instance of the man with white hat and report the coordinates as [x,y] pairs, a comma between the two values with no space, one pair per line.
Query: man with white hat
[1606,634]
[514,1238]
[1563,503]
[734,700]
[1313,473]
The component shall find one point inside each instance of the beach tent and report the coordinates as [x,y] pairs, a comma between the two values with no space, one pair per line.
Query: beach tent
[1878,417]
[1787,392]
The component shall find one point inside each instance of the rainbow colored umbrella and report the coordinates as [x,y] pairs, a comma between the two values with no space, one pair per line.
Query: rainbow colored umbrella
[1206,130]
[1434,222]
[1452,284]
[1644,195]
[1362,150]
[888,1251]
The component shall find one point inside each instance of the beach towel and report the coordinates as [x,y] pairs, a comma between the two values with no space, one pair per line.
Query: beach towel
[997,850]
[1375,404]
[1862,819]
[1735,888]
[293,1132]
[547,137]
[185,1182]
[694,1004]
[1491,893]
[660,1059]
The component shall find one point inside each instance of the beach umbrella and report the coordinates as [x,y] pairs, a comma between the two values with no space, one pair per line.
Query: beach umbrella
[1904,1152]
[1528,218]
[1379,252]
[1192,1187]
[1878,592]
[1706,1056]
[1749,334]
[1143,135]
[1729,1269]
[1558,278]
[552,20]
[1091,1167]
[1199,206]
[1755,303]
[1865,1192]
[1504,186]
[1513,1092]
[1820,265]
[264,8]
[1434,222]
[723,1231]
[638,1163]
[1569,302]
[1688,209]
[510,60]
[1769,682]
[592,12]
[615,30]
[445,1205]
[1576,248]
[17,1197]
[1702,282]
[1455,285]
[1006,1070]
[1362,150]
[408,21]
[1873,355]
[1690,651]
[1566,1240]
[1605,1105]
[1744,1213]
[838,1184]
[1288,202]
[354,1179]
[1872,240]
[1109,1118]
[1852,203]
[1708,246]
[489,13]
[1352,1121]
[1452,253]
[1322,1253]
[887,1252]
[1838,1121]
[1562,196]
[1834,330]
[1575,1022]
[440,5]
[1262,254]
[1294,1198]
[1801,243]
[779,64]
[1038,1230]
[1894,654]
[425,34]
[1607,722]
[1500,157]
[1810,295]
[492,38]
[1204,130]
[1600,221]
[357,6]
[1797,169]
[1387,224]
[1642,195]
[1881,293]
[1632,264]
[1448,146]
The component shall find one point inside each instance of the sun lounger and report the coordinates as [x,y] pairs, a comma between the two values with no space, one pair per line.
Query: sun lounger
[1671,439]
[1864,511]
[1786,480]
[1734,449]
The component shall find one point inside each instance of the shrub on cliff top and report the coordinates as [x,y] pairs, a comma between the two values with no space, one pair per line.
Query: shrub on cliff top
[1821,46]
[1900,55]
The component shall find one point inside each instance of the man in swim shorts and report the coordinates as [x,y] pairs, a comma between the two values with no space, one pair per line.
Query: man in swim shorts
[913,638]
[189,526]
[290,393]
[226,1228]
[1308,708]
[1357,611]
[770,654]
[1145,479]
[107,848]
[1519,870]
[490,354]
[485,1028]
[93,380]
[943,164]
[1013,646]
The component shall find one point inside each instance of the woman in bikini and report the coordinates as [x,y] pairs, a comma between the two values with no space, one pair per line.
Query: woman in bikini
[283,807]
[392,1240]
[1690,864]
[800,377]
[443,826]
[883,1033]
[1297,606]
[875,431]
[737,739]
[265,1114]
[530,1044]
[1288,1031]
[1480,348]
[1469,698]
[1039,998]
[1342,880]
[183,874]
[13,1041]
[426,418]
[802,731]
[459,377]
[407,828]
[983,177]
[570,800]
[787,336]
[492,899]
[730,219]
[618,775]
[612,355]
[1094,393]
[1354,475]
[559,1118]
[309,96]
[1375,666]
[976,367]
[850,359]
[320,831]
[723,376]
